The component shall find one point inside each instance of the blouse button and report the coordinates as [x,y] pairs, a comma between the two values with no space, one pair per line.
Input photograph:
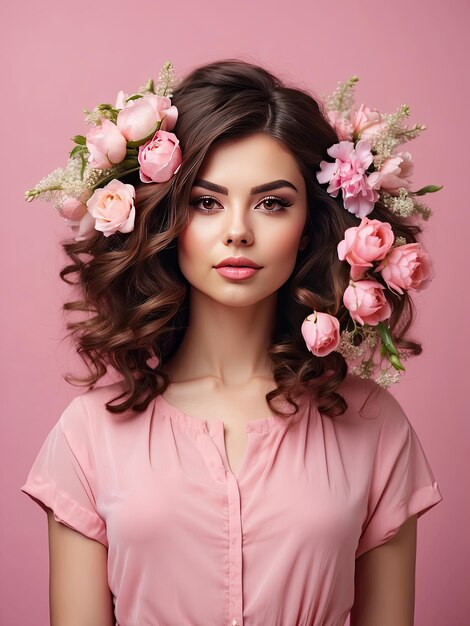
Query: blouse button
[234,622]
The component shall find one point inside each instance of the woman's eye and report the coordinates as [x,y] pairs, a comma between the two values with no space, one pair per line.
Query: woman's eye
[272,201]
[205,203]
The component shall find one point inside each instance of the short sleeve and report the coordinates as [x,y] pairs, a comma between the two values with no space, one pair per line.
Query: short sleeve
[61,477]
[402,483]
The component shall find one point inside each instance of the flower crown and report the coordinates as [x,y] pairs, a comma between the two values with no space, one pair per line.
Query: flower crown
[135,135]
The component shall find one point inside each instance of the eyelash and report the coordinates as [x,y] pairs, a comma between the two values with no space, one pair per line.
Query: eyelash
[283,203]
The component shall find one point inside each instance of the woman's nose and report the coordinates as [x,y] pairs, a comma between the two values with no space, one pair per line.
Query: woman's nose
[239,230]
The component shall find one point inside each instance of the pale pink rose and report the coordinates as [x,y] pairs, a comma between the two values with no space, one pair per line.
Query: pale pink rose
[368,122]
[321,333]
[342,125]
[348,173]
[370,241]
[113,207]
[72,209]
[394,173]
[366,302]
[407,267]
[159,158]
[139,118]
[106,145]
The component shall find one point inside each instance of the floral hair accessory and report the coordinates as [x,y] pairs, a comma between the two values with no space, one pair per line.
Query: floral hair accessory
[131,135]
[368,167]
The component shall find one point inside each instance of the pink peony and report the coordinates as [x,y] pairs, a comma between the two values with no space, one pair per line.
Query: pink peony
[160,158]
[342,125]
[106,145]
[113,207]
[139,118]
[321,333]
[366,302]
[348,173]
[368,122]
[370,241]
[394,173]
[407,267]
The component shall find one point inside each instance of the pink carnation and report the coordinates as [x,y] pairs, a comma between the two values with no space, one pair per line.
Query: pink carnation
[407,267]
[348,173]
[366,302]
[321,333]
[370,241]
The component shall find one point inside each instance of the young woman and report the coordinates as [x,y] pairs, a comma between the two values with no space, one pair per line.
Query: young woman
[245,478]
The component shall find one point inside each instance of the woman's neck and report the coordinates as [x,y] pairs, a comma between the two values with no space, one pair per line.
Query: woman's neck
[227,343]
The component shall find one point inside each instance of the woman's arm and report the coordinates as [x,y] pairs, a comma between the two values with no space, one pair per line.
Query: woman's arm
[385,581]
[78,582]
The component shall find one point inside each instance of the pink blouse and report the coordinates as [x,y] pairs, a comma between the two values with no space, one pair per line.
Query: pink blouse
[191,544]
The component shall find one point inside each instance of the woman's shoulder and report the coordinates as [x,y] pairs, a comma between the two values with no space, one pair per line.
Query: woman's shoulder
[87,410]
[366,399]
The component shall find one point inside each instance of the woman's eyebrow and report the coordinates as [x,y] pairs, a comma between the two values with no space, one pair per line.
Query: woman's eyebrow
[275,184]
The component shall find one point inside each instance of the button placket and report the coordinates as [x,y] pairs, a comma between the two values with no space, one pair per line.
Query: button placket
[235,551]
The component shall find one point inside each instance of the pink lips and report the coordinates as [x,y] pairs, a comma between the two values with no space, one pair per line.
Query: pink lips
[237,267]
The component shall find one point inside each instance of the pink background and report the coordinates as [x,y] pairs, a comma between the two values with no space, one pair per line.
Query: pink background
[61,57]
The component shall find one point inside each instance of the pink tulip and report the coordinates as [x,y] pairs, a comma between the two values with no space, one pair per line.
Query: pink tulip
[106,145]
[366,302]
[407,267]
[368,122]
[159,158]
[113,207]
[321,333]
[370,241]
[139,118]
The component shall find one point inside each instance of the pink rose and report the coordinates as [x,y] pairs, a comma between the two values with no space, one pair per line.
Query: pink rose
[407,267]
[321,333]
[365,300]
[160,158]
[113,207]
[348,173]
[139,118]
[72,209]
[370,241]
[106,145]
[77,217]
[368,122]
[394,173]
[342,125]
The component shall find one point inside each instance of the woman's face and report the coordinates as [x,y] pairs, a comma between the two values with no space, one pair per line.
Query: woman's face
[229,217]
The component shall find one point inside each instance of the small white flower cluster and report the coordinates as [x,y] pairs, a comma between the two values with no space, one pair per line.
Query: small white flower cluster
[166,80]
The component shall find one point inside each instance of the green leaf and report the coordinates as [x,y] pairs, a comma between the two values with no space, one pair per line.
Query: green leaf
[80,139]
[386,338]
[136,96]
[395,361]
[427,189]
[75,151]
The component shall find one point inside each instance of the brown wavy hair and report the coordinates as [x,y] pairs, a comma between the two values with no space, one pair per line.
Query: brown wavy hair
[134,293]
